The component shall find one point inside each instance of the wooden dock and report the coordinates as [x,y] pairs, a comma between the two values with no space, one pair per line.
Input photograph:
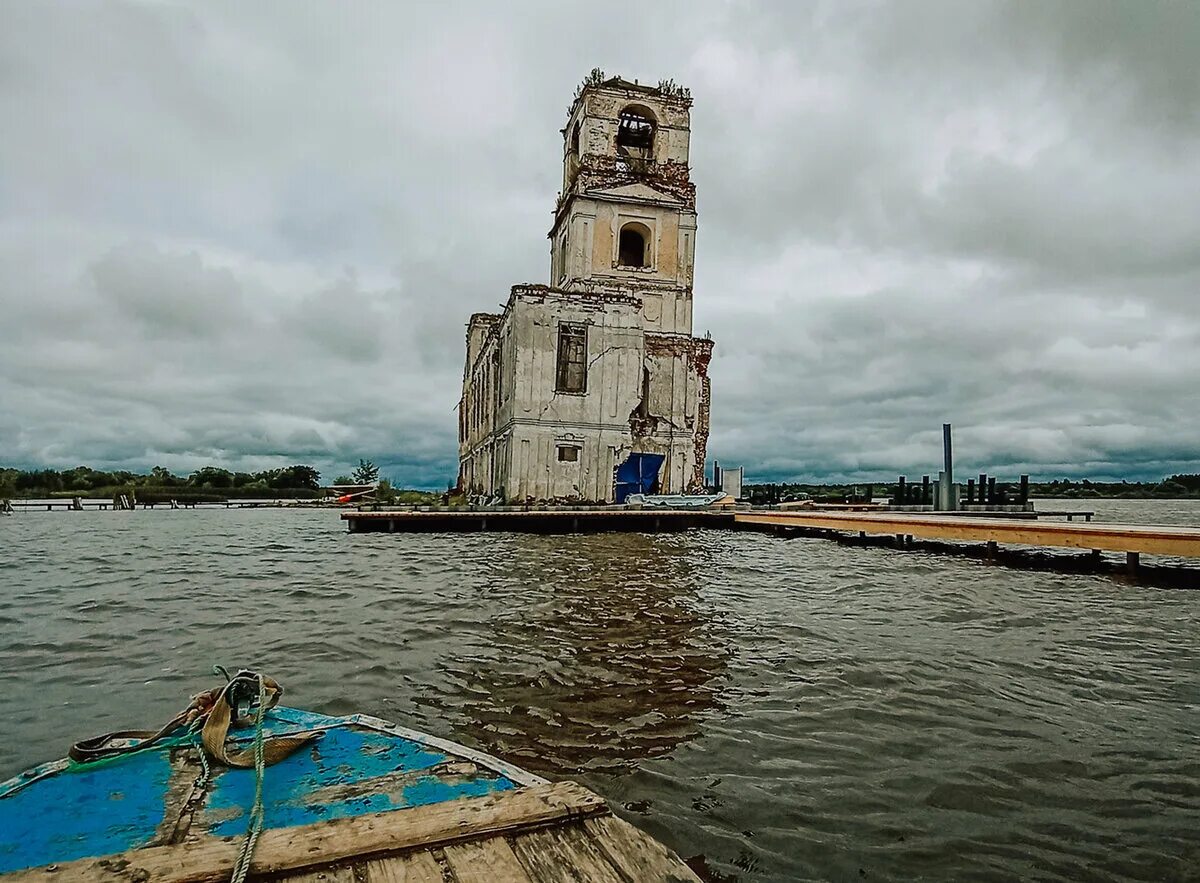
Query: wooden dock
[949,532]
[1132,539]
[1181,542]
[76,505]
[86,504]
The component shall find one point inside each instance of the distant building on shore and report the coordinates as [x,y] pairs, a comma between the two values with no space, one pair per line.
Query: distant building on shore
[593,387]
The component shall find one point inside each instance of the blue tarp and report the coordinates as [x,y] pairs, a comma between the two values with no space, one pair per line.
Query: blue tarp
[638,475]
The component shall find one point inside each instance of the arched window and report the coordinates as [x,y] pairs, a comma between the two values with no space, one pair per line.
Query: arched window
[633,247]
[575,141]
[635,131]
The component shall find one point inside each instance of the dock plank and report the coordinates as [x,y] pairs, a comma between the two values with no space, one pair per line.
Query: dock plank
[484,861]
[637,855]
[1183,542]
[330,875]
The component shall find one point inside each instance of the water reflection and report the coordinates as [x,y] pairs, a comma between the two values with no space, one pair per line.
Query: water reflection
[603,654]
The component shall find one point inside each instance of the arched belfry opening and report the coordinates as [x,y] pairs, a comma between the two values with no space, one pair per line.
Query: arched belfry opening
[635,132]
[571,161]
[633,246]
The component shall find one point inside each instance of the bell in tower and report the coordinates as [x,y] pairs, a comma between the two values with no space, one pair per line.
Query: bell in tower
[635,138]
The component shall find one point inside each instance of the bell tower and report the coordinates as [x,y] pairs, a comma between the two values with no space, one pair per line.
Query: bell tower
[593,387]
[626,217]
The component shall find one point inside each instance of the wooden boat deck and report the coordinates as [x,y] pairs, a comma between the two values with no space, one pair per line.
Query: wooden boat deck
[365,801]
[551,832]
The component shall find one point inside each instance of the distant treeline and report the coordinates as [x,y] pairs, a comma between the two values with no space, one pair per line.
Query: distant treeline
[209,483]
[1176,487]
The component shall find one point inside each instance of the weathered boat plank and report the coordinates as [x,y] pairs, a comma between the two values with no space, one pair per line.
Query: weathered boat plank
[485,860]
[182,788]
[324,843]
[416,867]
[331,875]
[564,855]
[636,854]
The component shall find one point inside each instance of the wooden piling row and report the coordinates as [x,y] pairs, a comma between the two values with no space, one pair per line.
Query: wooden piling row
[987,492]
[542,521]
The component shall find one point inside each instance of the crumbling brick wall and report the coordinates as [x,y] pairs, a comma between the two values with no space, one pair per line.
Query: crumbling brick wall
[697,351]
[597,172]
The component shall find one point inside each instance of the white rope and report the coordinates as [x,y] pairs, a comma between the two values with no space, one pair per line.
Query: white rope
[202,782]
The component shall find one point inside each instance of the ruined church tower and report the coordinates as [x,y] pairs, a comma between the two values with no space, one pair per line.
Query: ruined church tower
[593,387]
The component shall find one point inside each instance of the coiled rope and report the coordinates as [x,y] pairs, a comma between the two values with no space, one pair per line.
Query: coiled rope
[205,724]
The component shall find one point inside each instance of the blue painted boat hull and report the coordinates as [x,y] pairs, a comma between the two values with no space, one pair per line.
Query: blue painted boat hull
[64,811]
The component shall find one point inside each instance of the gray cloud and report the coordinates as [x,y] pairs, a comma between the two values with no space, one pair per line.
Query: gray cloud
[252,234]
[167,294]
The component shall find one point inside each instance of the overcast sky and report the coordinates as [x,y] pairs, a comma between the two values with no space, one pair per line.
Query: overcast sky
[251,233]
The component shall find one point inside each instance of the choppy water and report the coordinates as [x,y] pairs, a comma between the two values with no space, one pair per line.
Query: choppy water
[789,709]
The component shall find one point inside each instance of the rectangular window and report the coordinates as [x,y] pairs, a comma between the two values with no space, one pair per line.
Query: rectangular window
[571,375]
[568,454]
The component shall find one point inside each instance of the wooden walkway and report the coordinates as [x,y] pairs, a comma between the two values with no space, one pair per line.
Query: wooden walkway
[94,504]
[554,832]
[1183,542]
[955,529]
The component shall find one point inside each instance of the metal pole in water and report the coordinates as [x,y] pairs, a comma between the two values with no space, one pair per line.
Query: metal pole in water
[948,453]
[946,480]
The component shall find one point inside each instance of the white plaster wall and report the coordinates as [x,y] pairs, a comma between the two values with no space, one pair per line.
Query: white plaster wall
[515,450]
[672,249]
[615,346]
[517,418]
[537,474]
